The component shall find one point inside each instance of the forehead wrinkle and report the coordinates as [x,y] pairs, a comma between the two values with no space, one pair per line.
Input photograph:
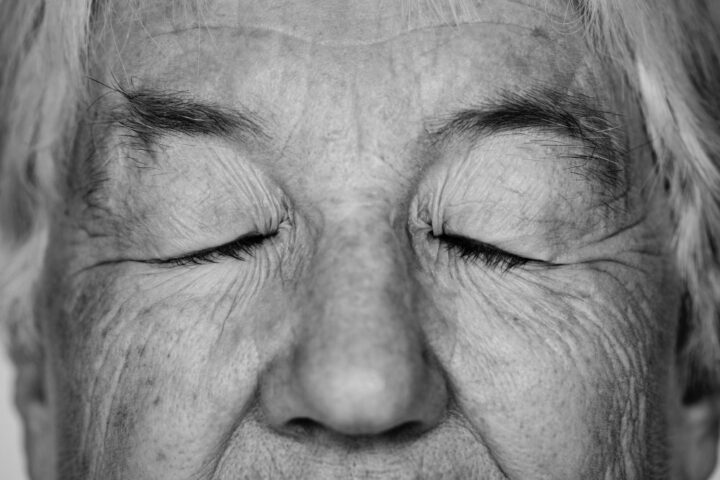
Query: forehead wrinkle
[333,43]
[455,12]
[334,22]
[141,10]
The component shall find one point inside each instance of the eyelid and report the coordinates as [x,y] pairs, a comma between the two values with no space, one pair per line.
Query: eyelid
[239,249]
[475,250]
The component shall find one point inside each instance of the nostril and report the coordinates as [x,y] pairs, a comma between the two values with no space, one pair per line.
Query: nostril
[303,426]
[404,432]
[307,427]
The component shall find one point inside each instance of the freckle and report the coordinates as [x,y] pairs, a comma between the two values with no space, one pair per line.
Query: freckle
[520,63]
[156,402]
[161,457]
[121,417]
[538,32]
[83,462]
[150,382]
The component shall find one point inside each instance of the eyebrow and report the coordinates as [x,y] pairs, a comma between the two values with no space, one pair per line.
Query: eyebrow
[150,114]
[573,116]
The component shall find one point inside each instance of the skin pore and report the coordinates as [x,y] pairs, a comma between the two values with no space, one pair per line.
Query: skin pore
[405,300]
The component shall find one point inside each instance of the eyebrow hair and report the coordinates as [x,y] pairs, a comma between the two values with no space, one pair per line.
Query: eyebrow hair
[570,115]
[150,113]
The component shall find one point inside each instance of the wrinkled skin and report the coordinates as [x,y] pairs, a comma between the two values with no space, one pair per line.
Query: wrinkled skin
[354,343]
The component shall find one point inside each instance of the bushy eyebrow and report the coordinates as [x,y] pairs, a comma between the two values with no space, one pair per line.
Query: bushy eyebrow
[573,116]
[150,114]
[138,118]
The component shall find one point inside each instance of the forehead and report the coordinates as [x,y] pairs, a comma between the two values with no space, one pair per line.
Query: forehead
[337,22]
[511,42]
[432,56]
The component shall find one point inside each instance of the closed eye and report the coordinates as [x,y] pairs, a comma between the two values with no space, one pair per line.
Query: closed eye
[474,250]
[241,249]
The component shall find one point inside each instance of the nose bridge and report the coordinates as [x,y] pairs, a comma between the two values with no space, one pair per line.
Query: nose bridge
[364,244]
[361,285]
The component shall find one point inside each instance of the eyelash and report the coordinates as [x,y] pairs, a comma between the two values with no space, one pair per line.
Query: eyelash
[466,248]
[474,250]
[239,249]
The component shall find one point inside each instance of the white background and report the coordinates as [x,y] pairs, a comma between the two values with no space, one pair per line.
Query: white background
[12,463]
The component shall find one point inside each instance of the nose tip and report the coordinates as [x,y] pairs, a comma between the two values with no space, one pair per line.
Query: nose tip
[369,398]
[357,402]
[373,401]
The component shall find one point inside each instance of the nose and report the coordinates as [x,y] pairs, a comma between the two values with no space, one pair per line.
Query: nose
[359,364]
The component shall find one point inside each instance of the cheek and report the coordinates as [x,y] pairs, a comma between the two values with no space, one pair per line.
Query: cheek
[163,365]
[573,363]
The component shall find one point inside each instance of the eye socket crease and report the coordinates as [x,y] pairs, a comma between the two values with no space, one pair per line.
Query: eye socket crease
[472,250]
[240,249]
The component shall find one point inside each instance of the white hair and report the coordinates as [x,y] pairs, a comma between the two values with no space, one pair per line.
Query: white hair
[667,50]
[42,53]
[670,52]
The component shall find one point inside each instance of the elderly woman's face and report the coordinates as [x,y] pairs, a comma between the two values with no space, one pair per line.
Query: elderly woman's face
[353,240]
